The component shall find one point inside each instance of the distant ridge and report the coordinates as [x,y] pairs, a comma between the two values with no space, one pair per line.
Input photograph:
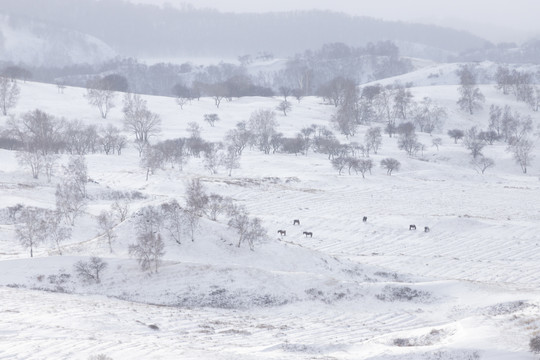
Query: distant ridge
[147,30]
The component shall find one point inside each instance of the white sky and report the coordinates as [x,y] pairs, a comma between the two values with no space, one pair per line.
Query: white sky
[496,20]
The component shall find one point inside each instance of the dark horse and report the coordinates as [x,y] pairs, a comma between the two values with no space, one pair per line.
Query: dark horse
[282,232]
[412,227]
[426,229]
[308,233]
[364,219]
[296,222]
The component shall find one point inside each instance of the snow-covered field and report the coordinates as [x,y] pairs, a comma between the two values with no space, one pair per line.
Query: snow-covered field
[468,289]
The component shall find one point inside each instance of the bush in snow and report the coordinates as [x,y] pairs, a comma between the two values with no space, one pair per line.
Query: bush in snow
[90,270]
[99,357]
[392,293]
[534,344]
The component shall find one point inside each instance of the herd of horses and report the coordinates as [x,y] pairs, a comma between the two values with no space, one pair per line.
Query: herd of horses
[364,219]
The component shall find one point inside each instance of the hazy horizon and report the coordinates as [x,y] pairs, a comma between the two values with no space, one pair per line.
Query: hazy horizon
[496,21]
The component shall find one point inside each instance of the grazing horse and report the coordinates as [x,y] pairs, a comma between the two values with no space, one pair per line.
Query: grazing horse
[412,227]
[308,233]
[426,229]
[296,222]
[364,219]
[282,232]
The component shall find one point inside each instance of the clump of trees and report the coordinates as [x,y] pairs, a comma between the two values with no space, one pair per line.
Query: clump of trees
[504,125]
[35,226]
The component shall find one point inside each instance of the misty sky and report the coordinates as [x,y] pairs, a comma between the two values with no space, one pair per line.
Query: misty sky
[496,20]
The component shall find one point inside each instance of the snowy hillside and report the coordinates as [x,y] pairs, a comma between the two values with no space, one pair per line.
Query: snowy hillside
[40,44]
[467,289]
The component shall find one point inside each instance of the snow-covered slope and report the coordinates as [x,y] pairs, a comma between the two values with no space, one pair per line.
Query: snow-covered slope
[468,289]
[39,44]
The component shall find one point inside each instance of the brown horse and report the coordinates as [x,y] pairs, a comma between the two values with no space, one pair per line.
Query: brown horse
[282,232]
[308,233]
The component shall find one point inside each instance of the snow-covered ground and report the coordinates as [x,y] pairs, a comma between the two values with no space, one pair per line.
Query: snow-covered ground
[468,289]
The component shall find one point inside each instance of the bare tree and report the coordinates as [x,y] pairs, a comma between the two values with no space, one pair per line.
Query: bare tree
[471,99]
[364,165]
[298,94]
[32,160]
[121,209]
[436,142]
[402,102]
[38,131]
[70,202]
[218,92]
[76,173]
[456,134]
[239,137]
[182,94]
[482,163]
[140,146]
[150,220]
[262,123]
[339,163]
[152,159]
[80,139]
[285,91]
[473,142]
[284,107]
[212,158]
[305,138]
[175,220]
[174,152]
[495,119]
[231,159]
[106,225]
[522,151]
[211,119]
[249,229]
[149,249]
[138,119]
[32,228]
[217,204]
[373,138]
[409,143]
[276,142]
[350,113]
[504,79]
[194,130]
[110,139]
[196,198]
[9,94]
[100,94]
[90,271]
[428,116]
[56,232]
[334,91]
[390,165]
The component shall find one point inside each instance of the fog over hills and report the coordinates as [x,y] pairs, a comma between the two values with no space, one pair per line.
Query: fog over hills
[151,31]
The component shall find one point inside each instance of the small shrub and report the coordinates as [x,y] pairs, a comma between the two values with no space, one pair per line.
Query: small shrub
[402,342]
